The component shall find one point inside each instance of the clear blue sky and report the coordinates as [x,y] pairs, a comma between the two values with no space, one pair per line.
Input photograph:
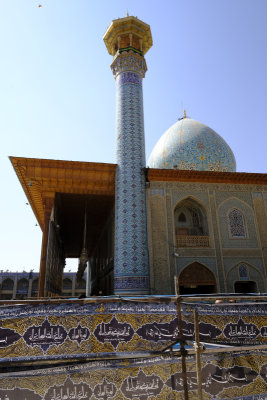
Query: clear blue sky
[57,93]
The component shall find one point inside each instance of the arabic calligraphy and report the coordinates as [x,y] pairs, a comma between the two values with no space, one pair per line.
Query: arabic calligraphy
[137,308]
[142,386]
[215,379]
[114,332]
[105,391]
[141,379]
[241,330]
[253,309]
[155,326]
[69,391]
[208,331]
[175,382]
[45,335]
[79,333]
[159,332]
[169,331]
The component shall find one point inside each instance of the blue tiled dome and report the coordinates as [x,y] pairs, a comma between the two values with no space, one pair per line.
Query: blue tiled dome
[189,144]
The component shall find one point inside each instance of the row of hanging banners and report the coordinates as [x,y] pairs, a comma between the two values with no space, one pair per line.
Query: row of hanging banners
[114,349]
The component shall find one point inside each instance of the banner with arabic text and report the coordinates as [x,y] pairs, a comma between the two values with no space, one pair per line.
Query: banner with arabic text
[81,330]
[233,376]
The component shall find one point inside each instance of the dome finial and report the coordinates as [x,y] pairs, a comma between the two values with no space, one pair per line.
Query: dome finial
[184,113]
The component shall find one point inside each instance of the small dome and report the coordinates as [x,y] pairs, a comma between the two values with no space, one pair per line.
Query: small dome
[189,144]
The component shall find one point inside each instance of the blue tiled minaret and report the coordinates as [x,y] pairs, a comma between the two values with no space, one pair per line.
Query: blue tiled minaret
[127,39]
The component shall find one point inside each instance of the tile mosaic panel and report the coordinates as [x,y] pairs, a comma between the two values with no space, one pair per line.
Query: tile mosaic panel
[189,144]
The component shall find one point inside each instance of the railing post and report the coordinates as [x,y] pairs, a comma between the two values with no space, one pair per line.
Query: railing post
[181,337]
[198,361]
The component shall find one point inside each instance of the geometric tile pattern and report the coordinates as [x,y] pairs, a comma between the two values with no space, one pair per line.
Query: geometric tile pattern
[131,267]
[191,145]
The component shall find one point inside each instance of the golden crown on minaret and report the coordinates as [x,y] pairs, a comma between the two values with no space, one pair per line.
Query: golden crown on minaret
[128,32]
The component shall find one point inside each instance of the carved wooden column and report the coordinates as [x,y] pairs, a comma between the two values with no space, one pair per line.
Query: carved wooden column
[48,205]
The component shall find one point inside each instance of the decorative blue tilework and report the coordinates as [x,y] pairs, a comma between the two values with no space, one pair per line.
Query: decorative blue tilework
[128,77]
[129,283]
[189,144]
[131,270]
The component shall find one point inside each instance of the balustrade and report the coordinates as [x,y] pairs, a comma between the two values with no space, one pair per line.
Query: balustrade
[192,241]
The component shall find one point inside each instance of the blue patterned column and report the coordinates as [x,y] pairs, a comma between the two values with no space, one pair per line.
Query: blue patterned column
[131,267]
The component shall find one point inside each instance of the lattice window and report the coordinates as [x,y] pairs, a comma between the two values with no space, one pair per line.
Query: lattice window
[182,217]
[67,284]
[7,284]
[237,224]
[243,272]
[195,217]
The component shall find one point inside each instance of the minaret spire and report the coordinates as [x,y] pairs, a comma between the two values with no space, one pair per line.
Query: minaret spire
[128,39]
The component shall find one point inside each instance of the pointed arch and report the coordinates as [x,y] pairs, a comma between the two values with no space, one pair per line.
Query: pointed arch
[236,200]
[81,284]
[182,217]
[249,268]
[197,278]
[67,284]
[191,224]
[190,198]
[35,287]
[22,288]
[244,278]
[7,284]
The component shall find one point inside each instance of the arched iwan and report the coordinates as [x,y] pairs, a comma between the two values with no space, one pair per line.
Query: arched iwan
[197,279]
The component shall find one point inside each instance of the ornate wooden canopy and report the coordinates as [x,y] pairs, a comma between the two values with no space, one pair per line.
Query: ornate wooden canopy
[41,179]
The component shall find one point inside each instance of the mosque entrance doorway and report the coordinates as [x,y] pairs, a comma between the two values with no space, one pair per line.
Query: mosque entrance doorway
[197,279]
[245,287]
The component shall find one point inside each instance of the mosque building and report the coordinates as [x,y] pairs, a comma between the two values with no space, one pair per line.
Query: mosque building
[187,213]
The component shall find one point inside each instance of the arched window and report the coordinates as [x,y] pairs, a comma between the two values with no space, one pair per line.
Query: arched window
[191,225]
[182,217]
[236,224]
[35,286]
[81,284]
[22,287]
[7,284]
[243,272]
[67,284]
